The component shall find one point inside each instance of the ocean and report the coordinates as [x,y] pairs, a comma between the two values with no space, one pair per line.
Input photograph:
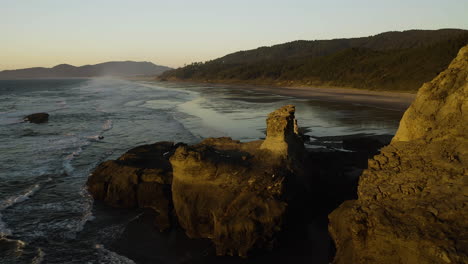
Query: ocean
[46,213]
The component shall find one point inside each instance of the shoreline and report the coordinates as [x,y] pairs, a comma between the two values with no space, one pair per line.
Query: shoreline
[389,100]
[392,100]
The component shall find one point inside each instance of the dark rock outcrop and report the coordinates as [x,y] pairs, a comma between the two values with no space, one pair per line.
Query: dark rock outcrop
[139,178]
[37,118]
[412,205]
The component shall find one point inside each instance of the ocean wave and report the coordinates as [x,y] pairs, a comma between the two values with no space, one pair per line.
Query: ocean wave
[82,143]
[161,104]
[67,160]
[75,153]
[87,211]
[107,125]
[115,231]
[19,198]
[111,232]
[39,258]
[4,231]
[78,211]
[95,138]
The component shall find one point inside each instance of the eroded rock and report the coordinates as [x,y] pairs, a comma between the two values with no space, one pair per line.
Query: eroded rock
[139,178]
[233,193]
[412,205]
[283,138]
[236,193]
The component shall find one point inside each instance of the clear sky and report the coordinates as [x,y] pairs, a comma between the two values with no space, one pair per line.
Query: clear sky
[176,32]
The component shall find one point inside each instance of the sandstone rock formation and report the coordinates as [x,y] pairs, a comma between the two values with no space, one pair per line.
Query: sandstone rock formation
[139,178]
[37,118]
[413,198]
[283,138]
[235,193]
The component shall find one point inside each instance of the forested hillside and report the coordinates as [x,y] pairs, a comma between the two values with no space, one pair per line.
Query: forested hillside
[388,61]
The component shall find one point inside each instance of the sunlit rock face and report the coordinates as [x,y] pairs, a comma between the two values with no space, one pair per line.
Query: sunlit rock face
[283,137]
[235,193]
[412,205]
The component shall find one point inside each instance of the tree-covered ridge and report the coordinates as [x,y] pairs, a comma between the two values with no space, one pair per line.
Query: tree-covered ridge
[387,61]
[112,68]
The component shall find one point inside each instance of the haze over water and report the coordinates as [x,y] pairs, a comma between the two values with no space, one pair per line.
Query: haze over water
[45,211]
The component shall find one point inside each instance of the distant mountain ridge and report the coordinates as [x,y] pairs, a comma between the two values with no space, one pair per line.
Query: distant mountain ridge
[387,61]
[113,68]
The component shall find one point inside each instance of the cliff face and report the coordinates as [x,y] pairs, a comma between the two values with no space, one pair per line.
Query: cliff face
[412,205]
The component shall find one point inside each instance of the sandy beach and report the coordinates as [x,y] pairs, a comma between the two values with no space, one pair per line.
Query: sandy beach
[383,99]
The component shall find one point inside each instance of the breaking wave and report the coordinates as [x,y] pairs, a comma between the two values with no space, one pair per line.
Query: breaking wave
[4,204]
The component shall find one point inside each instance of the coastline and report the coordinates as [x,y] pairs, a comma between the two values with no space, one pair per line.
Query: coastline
[393,100]
[389,100]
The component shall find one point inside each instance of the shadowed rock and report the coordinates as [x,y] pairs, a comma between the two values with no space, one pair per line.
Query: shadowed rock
[412,198]
[139,178]
[37,118]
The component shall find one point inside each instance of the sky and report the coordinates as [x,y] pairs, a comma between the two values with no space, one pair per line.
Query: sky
[175,32]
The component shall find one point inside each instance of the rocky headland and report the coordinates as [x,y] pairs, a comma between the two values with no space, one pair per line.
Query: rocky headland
[234,193]
[412,205]
[406,204]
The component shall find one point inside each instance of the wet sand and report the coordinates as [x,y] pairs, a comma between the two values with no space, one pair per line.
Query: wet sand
[383,99]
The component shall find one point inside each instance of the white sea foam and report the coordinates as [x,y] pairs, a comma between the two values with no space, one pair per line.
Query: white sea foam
[161,104]
[94,138]
[4,231]
[107,256]
[74,153]
[67,160]
[111,232]
[39,258]
[19,198]
[70,227]
[107,125]
[87,210]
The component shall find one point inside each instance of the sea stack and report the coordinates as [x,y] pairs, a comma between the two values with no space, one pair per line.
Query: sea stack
[283,137]
[412,205]
[231,192]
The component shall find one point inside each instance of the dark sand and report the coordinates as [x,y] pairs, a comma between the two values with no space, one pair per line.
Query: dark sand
[383,99]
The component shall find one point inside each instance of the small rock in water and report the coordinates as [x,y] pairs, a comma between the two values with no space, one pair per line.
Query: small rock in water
[37,118]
